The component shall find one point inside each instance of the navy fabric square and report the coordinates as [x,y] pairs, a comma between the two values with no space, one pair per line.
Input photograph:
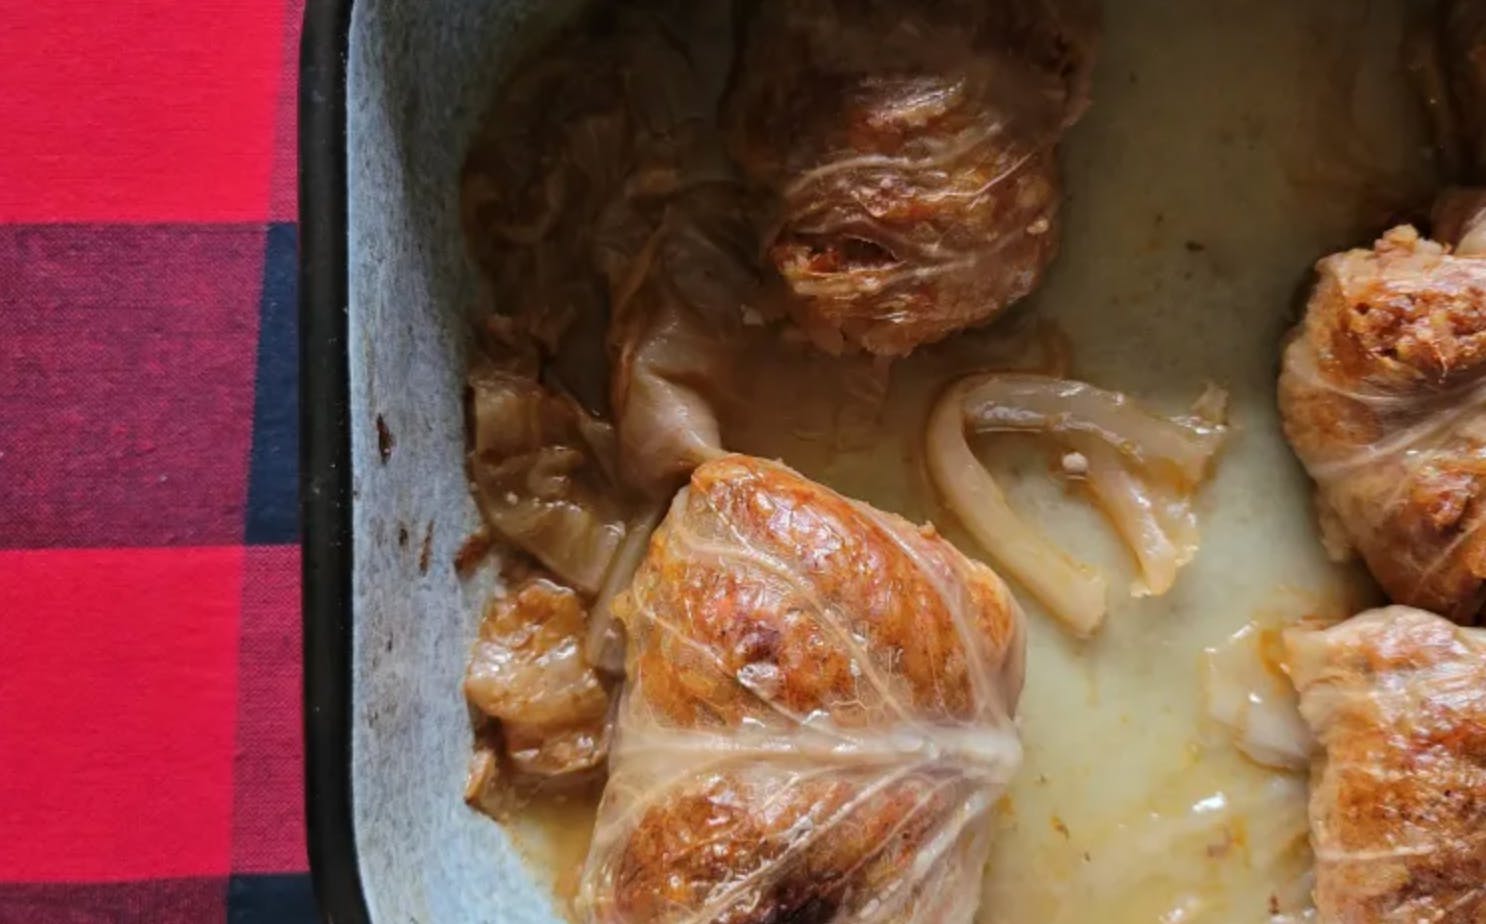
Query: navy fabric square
[286,899]
[273,481]
[272,899]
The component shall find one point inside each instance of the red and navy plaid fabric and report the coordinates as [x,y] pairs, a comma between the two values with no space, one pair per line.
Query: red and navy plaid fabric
[150,752]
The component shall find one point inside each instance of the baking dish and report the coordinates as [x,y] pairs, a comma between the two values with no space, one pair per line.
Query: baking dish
[392,90]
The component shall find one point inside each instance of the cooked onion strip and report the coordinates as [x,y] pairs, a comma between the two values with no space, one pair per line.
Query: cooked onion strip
[1074,591]
[1154,522]
[1002,402]
[1140,468]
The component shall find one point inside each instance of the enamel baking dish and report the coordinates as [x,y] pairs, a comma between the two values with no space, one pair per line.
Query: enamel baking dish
[1193,213]
[390,90]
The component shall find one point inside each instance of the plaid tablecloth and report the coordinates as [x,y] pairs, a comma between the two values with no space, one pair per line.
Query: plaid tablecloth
[150,752]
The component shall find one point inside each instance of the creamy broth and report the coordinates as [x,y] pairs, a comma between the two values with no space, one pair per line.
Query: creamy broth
[552,835]
[1231,143]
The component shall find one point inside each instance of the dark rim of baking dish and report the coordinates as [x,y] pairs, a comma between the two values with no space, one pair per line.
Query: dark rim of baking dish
[325,461]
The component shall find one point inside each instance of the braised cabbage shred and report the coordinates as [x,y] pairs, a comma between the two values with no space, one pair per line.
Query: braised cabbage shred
[607,220]
[1249,693]
[528,672]
[542,471]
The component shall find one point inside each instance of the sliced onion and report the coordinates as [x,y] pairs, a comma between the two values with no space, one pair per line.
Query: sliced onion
[1249,694]
[1140,468]
[1005,401]
[1153,519]
[1072,590]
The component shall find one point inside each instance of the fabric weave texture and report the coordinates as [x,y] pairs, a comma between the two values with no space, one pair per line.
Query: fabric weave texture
[150,676]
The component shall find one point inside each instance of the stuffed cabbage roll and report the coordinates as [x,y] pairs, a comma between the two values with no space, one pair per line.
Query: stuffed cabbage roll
[910,147]
[1397,698]
[818,715]
[1383,396]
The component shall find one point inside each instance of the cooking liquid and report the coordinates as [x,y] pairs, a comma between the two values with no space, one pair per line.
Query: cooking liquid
[1231,143]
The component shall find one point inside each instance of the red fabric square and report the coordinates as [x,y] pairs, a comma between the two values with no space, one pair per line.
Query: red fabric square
[150,110]
[126,383]
[268,800]
[284,189]
[118,674]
